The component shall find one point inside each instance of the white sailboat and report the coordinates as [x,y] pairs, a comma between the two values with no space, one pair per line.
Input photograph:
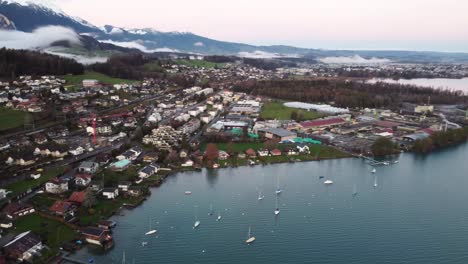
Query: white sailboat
[260,196]
[197,222]
[375,181]
[250,238]
[373,170]
[151,231]
[219,217]
[328,182]
[277,210]
[278,189]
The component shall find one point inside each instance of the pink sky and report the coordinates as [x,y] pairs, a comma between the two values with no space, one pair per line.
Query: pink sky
[372,24]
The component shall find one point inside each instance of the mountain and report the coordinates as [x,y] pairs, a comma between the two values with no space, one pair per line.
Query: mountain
[28,16]
[6,24]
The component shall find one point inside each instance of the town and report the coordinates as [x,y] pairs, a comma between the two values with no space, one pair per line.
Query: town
[76,151]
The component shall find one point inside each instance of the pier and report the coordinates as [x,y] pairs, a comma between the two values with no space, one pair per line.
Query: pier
[72,260]
[374,162]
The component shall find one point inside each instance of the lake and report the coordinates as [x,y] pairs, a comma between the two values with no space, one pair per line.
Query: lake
[441,83]
[417,213]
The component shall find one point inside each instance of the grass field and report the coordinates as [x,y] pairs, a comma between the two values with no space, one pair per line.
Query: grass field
[153,67]
[10,118]
[77,79]
[276,110]
[199,63]
[23,186]
[54,232]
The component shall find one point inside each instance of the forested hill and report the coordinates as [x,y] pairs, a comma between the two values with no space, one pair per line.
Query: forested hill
[349,94]
[14,63]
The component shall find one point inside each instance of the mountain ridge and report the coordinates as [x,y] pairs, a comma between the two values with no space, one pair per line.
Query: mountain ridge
[28,16]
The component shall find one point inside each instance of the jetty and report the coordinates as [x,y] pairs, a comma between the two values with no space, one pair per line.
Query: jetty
[72,260]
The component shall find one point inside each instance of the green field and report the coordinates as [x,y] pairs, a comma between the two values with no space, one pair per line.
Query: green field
[22,186]
[77,79]
[10,118]
[54,232]
[199,63]
[276,110]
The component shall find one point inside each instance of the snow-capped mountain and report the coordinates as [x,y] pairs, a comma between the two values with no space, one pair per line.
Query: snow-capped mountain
[28,15]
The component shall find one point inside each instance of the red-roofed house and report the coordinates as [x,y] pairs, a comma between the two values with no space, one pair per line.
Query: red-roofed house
[276,152]
[77,197]
[83,180]
[322,123]
[66,210]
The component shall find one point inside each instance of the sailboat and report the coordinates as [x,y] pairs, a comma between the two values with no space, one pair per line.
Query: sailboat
[355,190]
[250,238]
[260,196]
[278,189]
[219,217]
[211,210]
[277,210]
[375,181]
[151,231]
[197,223]
[373,170]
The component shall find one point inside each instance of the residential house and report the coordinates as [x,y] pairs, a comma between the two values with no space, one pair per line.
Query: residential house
[303,148]
[124,186]
[263,152]
[276,152]
[135,191]
[97,236]
[96,186]
[14,210]
[76,151]
[103,159]
[110,192]
[56,186]
[82,180]
[188,163]
[291,152]
[88,167]
[63,209]
[251,153]
[23,247]
[151,157]
[223,155]
[148,171]
[131,154]
[77,197]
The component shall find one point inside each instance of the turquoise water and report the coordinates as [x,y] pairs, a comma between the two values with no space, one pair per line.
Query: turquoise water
[416,214]
[121,163]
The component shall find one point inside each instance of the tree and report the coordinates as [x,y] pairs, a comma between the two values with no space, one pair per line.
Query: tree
[383,146]
[90,199]
[294,115]
[211,152]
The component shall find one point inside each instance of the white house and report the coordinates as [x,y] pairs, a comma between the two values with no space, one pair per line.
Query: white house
[77,151]
[56,186]
[88,167]
[110,193]
[187,163]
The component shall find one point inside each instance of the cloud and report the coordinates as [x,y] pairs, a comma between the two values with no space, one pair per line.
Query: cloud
[258,54]
[356,59]
[79,58]
[136,45]
[40,38]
